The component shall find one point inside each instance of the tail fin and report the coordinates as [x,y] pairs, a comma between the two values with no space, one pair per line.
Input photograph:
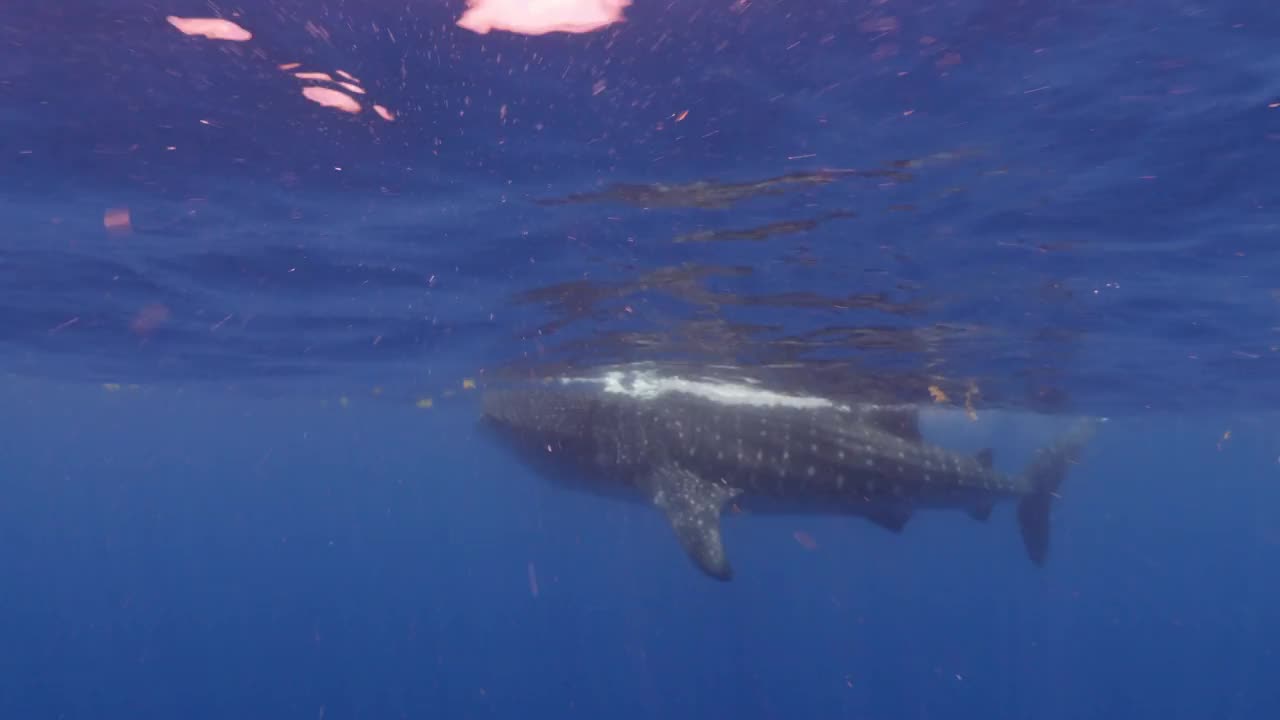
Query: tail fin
[1045,475]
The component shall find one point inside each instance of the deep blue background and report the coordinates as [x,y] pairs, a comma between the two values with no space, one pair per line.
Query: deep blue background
[187,554]
[242,513]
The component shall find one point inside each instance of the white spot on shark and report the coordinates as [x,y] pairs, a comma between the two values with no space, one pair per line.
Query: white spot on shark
[648,384]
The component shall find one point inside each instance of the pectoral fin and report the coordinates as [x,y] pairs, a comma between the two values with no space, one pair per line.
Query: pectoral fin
[692,505]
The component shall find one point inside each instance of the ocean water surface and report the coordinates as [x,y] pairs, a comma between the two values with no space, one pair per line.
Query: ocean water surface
[259,263]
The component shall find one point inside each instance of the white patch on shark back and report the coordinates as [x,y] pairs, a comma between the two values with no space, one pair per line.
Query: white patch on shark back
[649,385]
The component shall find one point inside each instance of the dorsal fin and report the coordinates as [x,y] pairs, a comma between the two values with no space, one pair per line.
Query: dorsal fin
[901,421]
[985,458]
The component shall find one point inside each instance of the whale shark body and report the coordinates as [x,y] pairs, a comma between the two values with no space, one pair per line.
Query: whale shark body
[691,441]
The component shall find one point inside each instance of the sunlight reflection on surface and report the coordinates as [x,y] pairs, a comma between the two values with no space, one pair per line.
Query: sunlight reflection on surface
[212,28]
[219,29]
[329,97]
[538,17]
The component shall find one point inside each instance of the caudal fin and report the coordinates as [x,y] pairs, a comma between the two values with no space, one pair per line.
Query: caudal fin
[1045,475]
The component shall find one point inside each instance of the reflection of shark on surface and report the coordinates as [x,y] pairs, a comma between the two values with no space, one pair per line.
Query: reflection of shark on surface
[693,441]
[762,232]
[712,194]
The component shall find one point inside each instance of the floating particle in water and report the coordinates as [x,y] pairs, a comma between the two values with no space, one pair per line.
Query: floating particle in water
[117,220]
[149,319]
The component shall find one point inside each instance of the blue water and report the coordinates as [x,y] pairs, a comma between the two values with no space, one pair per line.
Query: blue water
[239,470]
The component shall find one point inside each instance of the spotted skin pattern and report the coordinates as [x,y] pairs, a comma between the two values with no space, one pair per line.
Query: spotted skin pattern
[690,445]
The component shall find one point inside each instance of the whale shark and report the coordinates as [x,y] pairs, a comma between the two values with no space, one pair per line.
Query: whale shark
[694,439]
